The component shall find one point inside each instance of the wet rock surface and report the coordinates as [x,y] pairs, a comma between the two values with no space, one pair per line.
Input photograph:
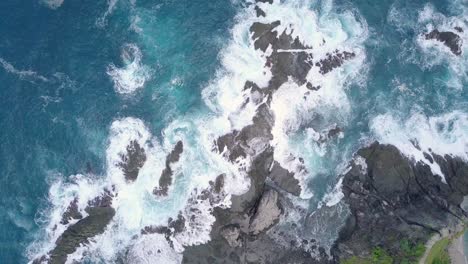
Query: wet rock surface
[165,180]
[396,199]
[284,179]
[334,60]
[79,233]
[71,213]
[450,39]
[391,199]
[133,161]
[99,214]
[266,214]
[246,232]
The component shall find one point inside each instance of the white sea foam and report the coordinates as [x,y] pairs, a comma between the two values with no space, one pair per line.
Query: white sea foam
[136,207]
[294,106]
[240,63]
[133,75]
[22,74]
[151,248]
[102,21]
[428,53]
[62,194]
[53,4]
[334,197]
[429,19]
[445,134]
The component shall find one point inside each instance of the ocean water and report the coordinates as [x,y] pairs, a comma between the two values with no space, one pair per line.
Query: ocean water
[81,79]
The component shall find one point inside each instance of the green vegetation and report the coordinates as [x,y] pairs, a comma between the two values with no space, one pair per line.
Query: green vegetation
[438,253]
[409,253]
[379,256]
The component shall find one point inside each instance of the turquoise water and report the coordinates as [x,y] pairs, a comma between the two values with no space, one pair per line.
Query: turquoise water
[58,101]
[59,127]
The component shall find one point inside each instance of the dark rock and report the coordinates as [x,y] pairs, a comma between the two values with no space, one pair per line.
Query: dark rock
[174,226]
[428,157]
[449,39]
[133,161]
[264,1]
[312,88]
[459,29]
[79,233]
[259,12]
[218,185]
[100,213]
[178,225]
[263,34]
[266,214]
[166,176]
[232,235]
[290,57]
[397,199]
[284,179]
[174,156]
[333,61]
[105,200]
[71,213]
[237,143]
[253,215]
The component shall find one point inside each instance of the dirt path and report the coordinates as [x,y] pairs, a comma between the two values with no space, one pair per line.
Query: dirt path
[455,247]
[456,251]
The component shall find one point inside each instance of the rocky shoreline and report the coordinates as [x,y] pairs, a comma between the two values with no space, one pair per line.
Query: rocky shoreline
[391,204]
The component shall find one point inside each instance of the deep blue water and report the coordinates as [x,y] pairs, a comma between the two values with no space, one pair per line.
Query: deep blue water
[66,132]
[54,122]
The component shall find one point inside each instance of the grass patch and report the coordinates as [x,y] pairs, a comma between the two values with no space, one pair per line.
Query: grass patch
[438,253]
[379,256]
[409,253]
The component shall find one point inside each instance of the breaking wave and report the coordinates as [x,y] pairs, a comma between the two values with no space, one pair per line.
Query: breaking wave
[421,136]
[53,4]
[133,75]
[28,75]
[305,121]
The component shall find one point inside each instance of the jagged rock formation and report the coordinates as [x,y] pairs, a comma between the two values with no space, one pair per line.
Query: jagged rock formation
[240,233]
[133,161]
[396,199]
[166,176]
[450,39]
[99,214]
[391,199]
